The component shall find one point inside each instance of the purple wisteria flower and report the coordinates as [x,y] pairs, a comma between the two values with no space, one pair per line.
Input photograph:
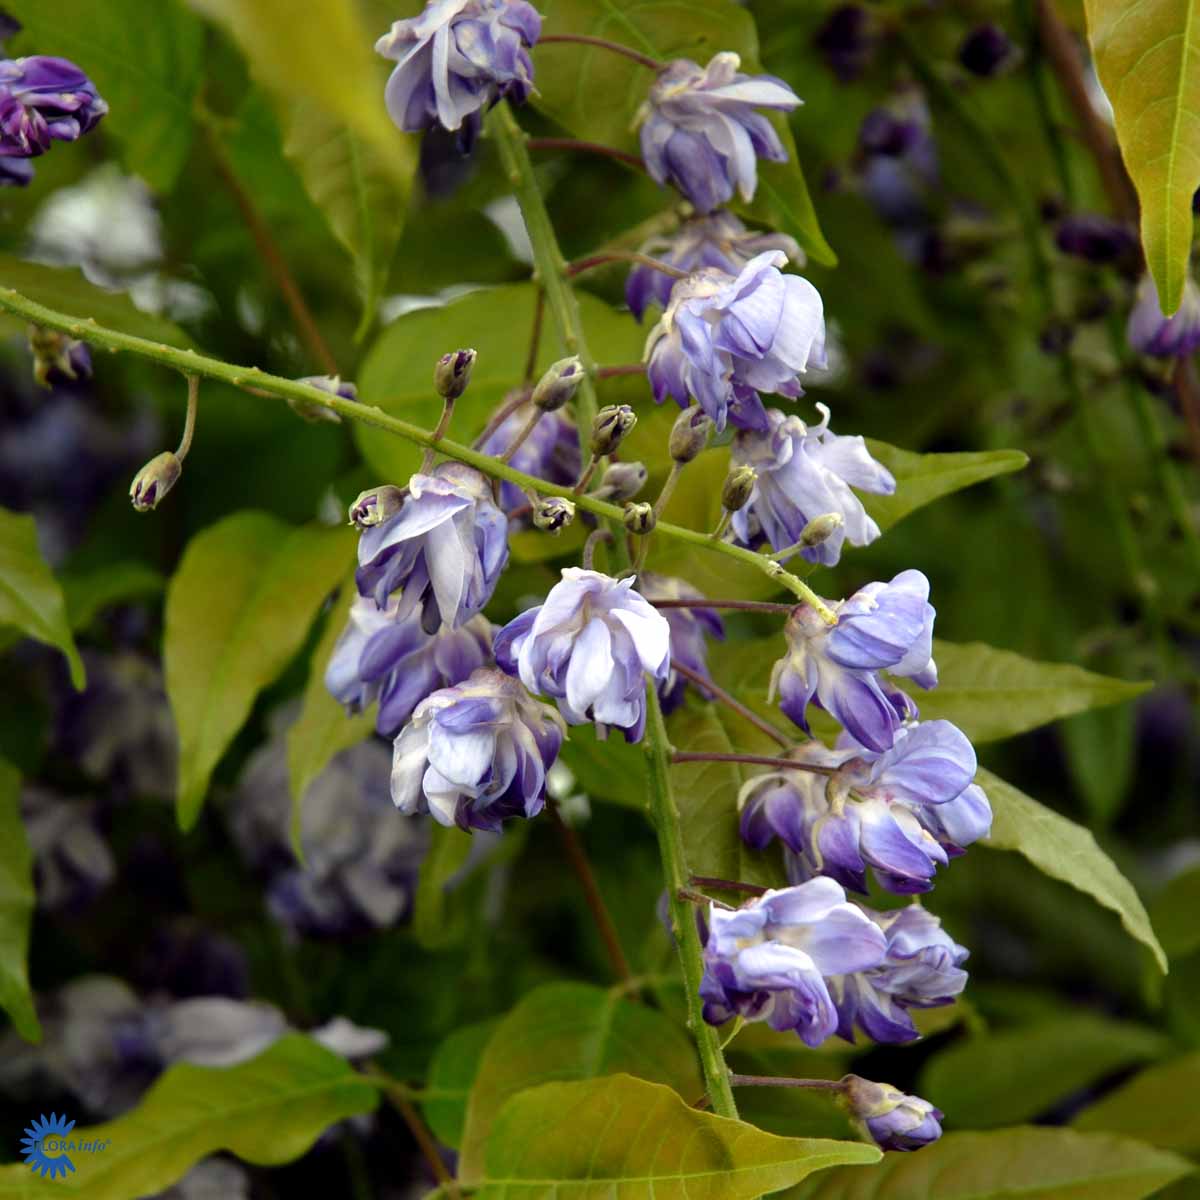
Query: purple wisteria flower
[44,99]
[550,452]
[893,1119]
[455,60]
[689,628]
[724,339]
[390,658]
[15,171]
[588,647]
[922,969]
[444,550]
[1150,332]
[700,131]
[882,627]
[476,753]
[805,471]
[717,240]
[768,960]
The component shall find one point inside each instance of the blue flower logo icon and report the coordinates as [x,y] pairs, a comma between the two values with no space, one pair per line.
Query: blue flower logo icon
[40,1146]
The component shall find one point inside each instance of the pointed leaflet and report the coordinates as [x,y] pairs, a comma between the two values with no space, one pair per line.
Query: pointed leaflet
[238,608]
[1065,851]
[267,1111]
[1147,55]
[1158,1106]
[16,908]
[30,598]
[620,1136]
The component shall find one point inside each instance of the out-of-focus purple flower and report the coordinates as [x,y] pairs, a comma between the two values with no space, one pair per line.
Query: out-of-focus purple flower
[717,240]
[922,969]
[722,340]
[382,655]
[689,629]
[893,1119]
[588,646]
[476,753]
[15,171]
[882,627]
[1096,238]
[456,59]
[804,472]
[44,99]
[846,41]
[768,960]
[444,550]
[550,452]
[73,863]
[699,130]
[335,385]
[1150,332]
[985,50]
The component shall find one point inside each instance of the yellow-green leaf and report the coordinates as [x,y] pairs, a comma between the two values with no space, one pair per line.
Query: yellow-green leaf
[1158,1106]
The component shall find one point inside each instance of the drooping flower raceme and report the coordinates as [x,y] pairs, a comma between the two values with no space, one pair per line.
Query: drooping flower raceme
[383,656]
[689,629]
[700,132]
[455,60]
[44,99]
[893,1119]
[1150,332]
[922,969]
[550,452]
[476,753]
[589,647]
[882,627]
[443,551]
[724,339]
[804,472]
[717,240]
[768,960]
[892,812]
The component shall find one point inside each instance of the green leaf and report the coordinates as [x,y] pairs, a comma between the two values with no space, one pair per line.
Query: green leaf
[1174,914]
[923,478]
[571,1031]
[1100,747]
[1158,1106]
[449,849]
[451,1076]
[1148,58]
[267,1111]
[623,1136]
[238,608]
[30,598]
[89,593]
[68,291]
[1005,1078]
[1033,1164]
[1067,852]
[322,730]
[17,900]
[148,71]
[613,770]
[570,76]
[992,694]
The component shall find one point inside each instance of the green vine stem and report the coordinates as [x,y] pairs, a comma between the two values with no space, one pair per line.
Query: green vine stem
[257,382]
[683,919]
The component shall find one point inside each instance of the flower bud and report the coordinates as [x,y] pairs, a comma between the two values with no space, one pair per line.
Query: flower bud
[154,481]
[894,1120]
[622,481]
[735,492]
[453,373]
[57,355]
[375,505]
[689,434]
[609,428]
[640,518]
[553,513]
[821,528]
[558,384]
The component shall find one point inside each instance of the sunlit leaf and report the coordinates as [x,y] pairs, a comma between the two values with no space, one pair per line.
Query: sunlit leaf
[1158,1106]
[16,908]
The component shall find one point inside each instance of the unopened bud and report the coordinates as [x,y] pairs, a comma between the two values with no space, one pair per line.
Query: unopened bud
[689,434]
[640,518]
[735,492]
[609,428]
[553,513]
[821,528]
[558,384]
[622,481]
[894,1119]
[376,505]
[57,355]
[453,373]
[154,481]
